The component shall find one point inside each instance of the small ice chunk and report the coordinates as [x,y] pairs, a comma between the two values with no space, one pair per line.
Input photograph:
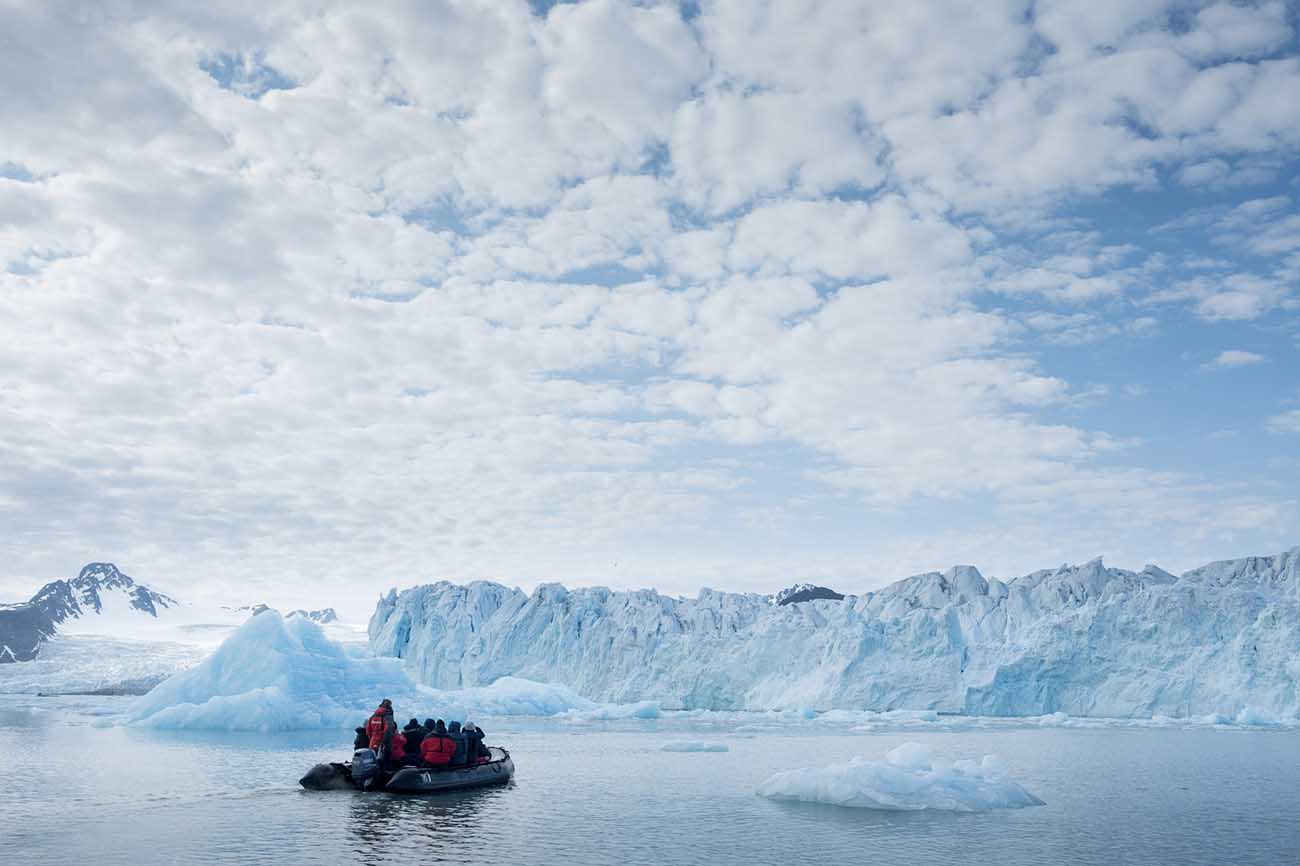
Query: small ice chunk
[693,746]
[910,756]
[909,779]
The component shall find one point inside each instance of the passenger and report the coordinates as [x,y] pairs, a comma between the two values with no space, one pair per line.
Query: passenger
[437,749]
[475,751]
[414,733]
[362,739]
[381,728]
[457,737]
[397,750]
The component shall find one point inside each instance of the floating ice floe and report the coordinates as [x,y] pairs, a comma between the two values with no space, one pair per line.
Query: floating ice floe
[693,746]
[908,779]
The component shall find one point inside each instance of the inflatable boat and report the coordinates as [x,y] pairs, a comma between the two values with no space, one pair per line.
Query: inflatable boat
[364,773]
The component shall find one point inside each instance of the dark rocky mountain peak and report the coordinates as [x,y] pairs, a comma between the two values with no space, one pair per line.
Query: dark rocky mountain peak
[806,592]
[25,626]
[322,616]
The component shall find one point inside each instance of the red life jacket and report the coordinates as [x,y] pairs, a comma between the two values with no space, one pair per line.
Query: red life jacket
[437,750]
[377,726]
[399,747]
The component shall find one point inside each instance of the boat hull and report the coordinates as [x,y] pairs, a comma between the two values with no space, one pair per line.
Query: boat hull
[498,770]
[415,780]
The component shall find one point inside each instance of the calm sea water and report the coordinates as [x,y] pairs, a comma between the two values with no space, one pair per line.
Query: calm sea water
[74,793]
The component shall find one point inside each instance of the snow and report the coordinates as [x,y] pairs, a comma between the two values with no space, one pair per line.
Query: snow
[83,664]
[693,746]
[908,779]
[1088,641]
[122,649]
[196,625]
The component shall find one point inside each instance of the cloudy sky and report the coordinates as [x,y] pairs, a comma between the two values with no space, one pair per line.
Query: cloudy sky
[299,301]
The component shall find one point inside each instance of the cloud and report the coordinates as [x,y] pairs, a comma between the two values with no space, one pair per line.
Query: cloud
[1285,422]
[1229,358]
[314,299]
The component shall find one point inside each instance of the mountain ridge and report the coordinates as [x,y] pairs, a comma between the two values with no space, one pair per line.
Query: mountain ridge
[26,625]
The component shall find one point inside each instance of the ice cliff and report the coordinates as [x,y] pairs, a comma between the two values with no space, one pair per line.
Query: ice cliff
[1087,640]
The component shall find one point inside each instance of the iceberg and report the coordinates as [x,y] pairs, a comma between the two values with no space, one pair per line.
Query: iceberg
[280,674]
[274,674]
[1086,641]
[908,779]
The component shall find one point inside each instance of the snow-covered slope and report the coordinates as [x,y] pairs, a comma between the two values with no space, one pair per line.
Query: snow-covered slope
[103,632]
[101,599]
[1086,640]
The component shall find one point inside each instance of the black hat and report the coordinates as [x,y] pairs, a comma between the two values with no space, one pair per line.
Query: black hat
[413,723]
[361,730]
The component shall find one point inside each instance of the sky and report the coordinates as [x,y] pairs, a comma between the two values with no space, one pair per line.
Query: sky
[303,300]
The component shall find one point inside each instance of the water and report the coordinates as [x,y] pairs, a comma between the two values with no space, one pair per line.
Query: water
[602,795]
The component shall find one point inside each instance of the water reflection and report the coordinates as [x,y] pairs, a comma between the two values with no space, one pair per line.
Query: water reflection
[437,826]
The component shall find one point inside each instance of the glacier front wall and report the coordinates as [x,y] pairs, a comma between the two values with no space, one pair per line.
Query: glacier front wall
[1221,640]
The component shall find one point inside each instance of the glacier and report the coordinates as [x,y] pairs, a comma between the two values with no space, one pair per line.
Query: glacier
[1218,642]
[907,780]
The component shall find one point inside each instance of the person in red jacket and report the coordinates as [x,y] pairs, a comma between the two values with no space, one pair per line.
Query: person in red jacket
[380,727]
[397,752]
[437,748]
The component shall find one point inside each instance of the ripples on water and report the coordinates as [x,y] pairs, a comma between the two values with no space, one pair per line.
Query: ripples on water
[80,794]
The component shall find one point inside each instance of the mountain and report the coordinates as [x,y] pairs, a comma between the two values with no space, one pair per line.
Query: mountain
[1087,640]
[806,592]
[98,590]
[324,616]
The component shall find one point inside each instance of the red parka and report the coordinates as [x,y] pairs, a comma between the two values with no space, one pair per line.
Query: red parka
[437,750]
[380,727]
[398,750]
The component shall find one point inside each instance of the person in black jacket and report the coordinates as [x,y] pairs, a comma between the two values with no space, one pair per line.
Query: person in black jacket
[474,748]
[362,740]
[414,733]
[457,737]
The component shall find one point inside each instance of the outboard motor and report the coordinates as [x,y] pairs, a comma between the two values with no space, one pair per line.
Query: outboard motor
[365,766]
